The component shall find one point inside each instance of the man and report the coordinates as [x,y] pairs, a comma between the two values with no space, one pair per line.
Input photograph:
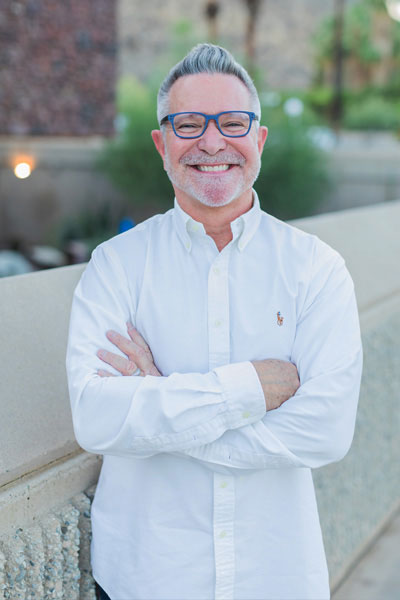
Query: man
[214,359]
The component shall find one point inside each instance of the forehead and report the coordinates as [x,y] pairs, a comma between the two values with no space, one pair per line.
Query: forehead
[210,93]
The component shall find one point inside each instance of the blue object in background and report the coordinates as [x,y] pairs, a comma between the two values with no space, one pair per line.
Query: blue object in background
[125,224]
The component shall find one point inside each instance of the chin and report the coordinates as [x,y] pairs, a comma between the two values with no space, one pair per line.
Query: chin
[216,195]
[214,202]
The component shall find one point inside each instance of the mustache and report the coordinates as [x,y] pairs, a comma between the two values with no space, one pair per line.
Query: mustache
[230,158]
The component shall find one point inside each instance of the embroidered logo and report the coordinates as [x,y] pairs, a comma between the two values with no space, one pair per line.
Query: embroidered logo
[279,319]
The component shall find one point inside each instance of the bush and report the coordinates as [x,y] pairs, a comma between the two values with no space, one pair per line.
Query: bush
[319,98]
[294,174]
[373,113]
[90,226]
[131,160]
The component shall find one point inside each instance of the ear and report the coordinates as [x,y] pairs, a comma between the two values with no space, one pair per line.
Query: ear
[261,137]
[158,140]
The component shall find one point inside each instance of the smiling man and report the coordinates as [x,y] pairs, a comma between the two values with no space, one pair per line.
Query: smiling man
[214,359]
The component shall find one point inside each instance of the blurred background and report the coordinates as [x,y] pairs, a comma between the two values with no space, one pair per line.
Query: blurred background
[78,85]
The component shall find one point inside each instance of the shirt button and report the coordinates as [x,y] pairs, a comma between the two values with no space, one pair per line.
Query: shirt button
[222,534]
[216,271]
[224,484]
[245,415]
[217,323]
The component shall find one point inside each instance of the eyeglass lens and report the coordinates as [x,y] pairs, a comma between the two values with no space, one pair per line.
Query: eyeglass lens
[231,124]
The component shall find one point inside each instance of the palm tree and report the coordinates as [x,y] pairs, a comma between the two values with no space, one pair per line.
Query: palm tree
[211,11]
[337,101]
[253,9]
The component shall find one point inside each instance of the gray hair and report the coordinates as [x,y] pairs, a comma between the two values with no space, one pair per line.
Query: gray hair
[205,58]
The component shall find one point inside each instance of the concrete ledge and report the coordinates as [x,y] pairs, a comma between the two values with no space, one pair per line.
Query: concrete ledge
[369,241]
[35,418]
[25,501]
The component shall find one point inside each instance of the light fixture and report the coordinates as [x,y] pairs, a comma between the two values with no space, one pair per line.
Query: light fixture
[393,8]
[22,170]
[22,165]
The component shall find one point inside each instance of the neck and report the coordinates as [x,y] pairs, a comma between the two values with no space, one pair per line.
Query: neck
[217,219]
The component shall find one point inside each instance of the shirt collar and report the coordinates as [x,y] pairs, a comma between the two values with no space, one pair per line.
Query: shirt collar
[243,228]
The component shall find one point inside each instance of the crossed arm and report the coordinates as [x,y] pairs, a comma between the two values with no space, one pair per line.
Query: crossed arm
[278,378]
[224,417]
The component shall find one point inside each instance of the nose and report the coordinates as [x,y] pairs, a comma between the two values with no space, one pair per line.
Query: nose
[212,140]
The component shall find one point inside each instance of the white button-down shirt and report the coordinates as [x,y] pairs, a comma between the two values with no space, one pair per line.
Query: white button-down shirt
[203,494]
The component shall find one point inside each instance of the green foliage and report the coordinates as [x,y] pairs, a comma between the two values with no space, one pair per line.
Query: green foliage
[373,113]
[319,99]
[91,226]
[322,39]
[294,175]
[357,39]
[131,160]
[357,35]
[369,107]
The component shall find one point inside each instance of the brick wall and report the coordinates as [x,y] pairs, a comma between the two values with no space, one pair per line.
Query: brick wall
[57,67]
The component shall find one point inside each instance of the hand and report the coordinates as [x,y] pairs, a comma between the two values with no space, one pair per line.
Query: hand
[138,354]
[279,380]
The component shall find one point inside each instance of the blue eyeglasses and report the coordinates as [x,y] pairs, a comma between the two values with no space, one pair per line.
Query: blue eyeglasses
[191,125]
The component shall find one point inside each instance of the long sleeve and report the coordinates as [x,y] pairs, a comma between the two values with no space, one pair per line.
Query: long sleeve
[142,416]
[315,426]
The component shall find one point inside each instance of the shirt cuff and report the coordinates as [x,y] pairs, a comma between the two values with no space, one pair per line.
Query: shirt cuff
[243,393]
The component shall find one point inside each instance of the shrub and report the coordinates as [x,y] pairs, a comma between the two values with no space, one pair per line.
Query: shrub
[131,160]
[373,113]
[294,174]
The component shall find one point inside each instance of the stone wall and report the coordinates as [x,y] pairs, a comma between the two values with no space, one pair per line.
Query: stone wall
[57,73]
[44,510]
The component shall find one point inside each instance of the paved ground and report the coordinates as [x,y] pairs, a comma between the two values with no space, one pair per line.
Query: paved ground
[377,575]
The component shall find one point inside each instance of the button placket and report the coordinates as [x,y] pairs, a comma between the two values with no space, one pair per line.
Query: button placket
[218,310]
[219,354]
[224,512]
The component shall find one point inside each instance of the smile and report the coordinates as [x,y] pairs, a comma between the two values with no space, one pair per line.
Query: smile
[212,168]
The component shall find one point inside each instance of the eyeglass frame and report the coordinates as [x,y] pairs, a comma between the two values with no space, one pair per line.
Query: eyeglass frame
[170,118]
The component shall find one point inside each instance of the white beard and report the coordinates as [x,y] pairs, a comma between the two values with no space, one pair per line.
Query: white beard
[217,190]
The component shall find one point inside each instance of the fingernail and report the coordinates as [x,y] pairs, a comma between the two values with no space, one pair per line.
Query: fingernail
[111,334]
[129,325]
[101,353]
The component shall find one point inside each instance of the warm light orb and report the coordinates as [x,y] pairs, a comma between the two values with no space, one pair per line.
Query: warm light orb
[393,8]
[22,170]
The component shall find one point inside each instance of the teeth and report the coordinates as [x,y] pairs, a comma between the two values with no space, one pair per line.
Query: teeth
[210,168]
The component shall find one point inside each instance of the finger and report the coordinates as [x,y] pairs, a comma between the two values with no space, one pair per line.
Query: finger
[148,367]
[121,364]
[104,373]
[124,344]
[135,353]
[137,338]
